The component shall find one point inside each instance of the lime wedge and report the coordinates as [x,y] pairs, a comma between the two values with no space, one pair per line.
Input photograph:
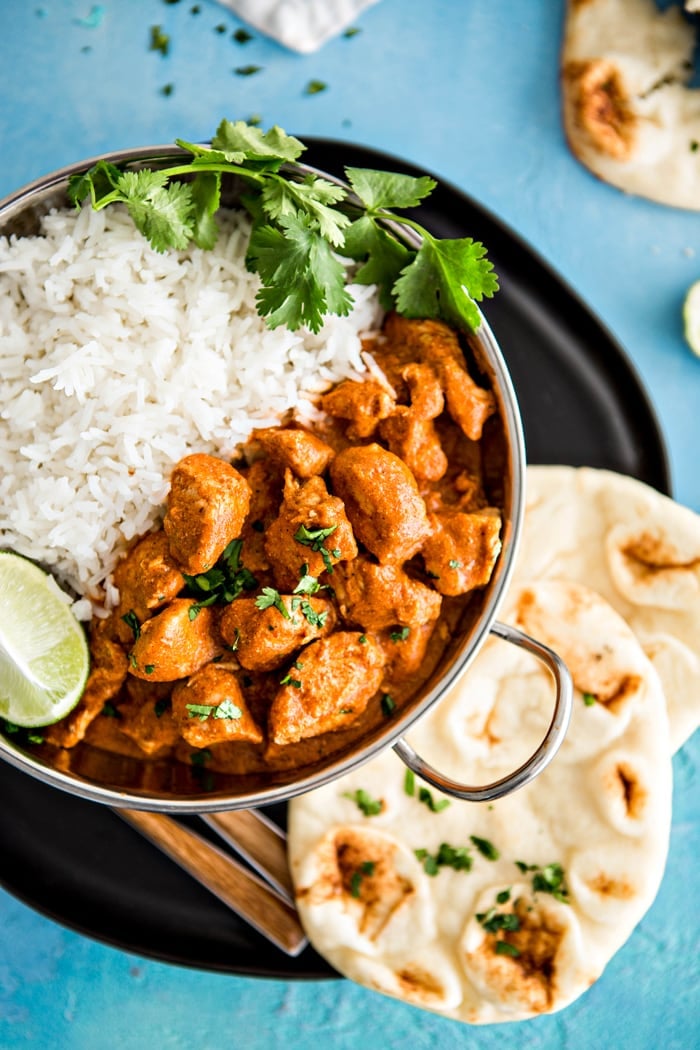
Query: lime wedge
[691,317]
[44,658]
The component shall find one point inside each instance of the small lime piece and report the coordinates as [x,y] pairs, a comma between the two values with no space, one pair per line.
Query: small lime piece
[44,658]
[691,317]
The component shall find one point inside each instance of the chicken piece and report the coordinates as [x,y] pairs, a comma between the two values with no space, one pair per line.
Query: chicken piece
[207,505]
[147,578]
[303,452]
[209,709]
[338,677]
[290,542]
[172,645]
[410,432]
[461,551]
[363,404]
[108,668]
[405,651]
[265,485]
[382,501]
[379,596]
[436,344]
[263,638]
[147,717]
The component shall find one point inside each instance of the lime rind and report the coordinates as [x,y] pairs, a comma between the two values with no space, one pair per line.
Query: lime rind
[691,318]
[44,656]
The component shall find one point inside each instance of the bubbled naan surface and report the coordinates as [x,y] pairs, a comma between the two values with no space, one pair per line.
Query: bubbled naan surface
[601,809]
[637,548]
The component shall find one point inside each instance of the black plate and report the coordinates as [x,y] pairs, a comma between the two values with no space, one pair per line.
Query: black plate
[582,404]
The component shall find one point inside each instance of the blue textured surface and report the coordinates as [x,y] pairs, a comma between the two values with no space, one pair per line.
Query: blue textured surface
[468,90]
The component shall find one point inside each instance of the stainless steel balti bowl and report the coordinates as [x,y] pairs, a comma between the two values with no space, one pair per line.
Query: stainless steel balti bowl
[129,782]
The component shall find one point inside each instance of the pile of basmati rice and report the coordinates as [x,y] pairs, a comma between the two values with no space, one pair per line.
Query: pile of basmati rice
[116,361]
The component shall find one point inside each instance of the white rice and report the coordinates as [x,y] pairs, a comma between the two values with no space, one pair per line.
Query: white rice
[116,361]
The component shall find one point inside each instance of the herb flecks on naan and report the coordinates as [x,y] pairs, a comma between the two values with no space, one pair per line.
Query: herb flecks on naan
[512,909]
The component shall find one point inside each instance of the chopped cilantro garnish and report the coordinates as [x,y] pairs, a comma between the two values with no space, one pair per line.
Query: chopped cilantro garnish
[242,36]
[369,806]
[454,563]
[409,782]
[200,758]
[288,680]
[503,897]
[160,41]
[247,71]
[131,620]
[160,707]
[224,583]
[314,87]
[425,796]
[550,879]
[352,31]
[400,635]
[314,538]
[226,709]
[589,699]
[506,948]
[366,868]
[362,639]
[34,738]
[522,866]
[388,704]
[271,597]
[457,857]
[307,584]
[302,223]
[109,710]
[167,90]
[485,848]
[493,920]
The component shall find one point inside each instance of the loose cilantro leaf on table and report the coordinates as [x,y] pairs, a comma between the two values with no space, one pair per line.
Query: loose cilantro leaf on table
[302,224]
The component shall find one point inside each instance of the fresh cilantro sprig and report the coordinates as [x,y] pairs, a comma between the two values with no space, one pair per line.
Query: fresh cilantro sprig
[302,225]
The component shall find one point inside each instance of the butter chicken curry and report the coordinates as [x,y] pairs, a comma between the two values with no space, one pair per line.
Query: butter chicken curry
[297,598]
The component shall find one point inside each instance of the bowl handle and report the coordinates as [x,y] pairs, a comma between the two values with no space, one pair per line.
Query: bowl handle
[538,760]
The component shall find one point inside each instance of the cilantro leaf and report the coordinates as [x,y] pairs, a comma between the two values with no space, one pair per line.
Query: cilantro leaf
[387,189]
[206,195]
[314,197]
[163,214]
[383,256]
[270,597]
[371,807]
[302,279]
[445,280]
[240,141]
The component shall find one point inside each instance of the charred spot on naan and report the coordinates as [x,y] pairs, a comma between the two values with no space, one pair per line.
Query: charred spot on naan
[526,969]
[651,567]
[359,868]
[624,791]
[601,106]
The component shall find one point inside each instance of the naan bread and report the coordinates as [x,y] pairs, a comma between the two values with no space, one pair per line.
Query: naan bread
[601,810]
[637,548]
[628,113]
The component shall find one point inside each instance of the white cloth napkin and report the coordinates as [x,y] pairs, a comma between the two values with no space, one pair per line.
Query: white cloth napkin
[303,25]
